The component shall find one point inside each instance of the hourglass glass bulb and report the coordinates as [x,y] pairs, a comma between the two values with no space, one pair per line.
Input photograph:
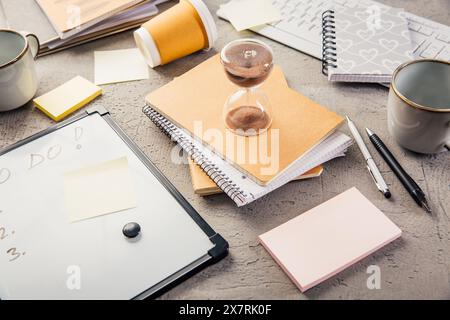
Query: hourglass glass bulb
[247,63]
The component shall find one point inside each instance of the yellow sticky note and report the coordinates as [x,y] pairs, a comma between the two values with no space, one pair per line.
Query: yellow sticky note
[99,189]
[67,98]
[245,14]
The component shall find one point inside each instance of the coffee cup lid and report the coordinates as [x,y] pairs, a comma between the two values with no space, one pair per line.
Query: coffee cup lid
[208,21]
[147,46]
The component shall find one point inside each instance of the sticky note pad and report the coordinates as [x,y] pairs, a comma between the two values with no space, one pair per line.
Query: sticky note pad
[261,12]
[119,66]
[329,238]
[67,98]
[99,189]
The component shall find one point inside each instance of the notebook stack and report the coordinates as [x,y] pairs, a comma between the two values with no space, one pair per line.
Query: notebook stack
[205,186]
[303,135]
[64,24]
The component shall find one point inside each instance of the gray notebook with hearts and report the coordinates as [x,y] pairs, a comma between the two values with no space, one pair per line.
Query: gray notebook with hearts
[365,44]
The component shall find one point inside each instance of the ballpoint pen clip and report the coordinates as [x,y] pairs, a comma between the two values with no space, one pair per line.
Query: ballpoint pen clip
[375,180]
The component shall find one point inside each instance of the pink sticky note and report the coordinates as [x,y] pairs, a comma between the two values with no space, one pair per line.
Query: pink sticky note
[329,238]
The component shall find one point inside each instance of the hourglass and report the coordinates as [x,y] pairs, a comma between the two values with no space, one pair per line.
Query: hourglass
[247,63]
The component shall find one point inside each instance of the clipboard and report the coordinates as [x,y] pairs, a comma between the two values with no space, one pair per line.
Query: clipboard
[121,269]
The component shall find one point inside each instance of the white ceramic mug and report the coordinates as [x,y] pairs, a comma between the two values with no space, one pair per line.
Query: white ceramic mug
[18,79]
[419,106]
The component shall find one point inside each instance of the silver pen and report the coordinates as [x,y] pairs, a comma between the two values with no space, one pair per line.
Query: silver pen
[371,166]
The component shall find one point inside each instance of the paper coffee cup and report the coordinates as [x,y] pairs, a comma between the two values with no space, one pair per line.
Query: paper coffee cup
[179,31]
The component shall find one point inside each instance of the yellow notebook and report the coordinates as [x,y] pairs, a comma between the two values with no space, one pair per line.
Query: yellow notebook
[205,186]
[196,99]
[67,98]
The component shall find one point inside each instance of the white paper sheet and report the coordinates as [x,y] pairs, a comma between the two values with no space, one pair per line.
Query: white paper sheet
[119,66]
[245,14]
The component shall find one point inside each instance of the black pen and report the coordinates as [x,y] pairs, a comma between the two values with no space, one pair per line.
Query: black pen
[411,186]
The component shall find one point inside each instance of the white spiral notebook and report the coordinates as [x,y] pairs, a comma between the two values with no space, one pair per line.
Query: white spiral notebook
[363,44]
[233,182]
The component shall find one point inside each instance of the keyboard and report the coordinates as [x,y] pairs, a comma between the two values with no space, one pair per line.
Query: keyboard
[301,28]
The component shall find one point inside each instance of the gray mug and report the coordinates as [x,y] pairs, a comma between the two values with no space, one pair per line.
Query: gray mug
[419,106]
[18,79]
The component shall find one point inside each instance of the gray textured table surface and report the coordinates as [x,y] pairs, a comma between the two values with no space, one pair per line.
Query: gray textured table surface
[416,266]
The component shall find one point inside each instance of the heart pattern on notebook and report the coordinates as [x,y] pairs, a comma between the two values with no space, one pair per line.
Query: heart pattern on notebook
[365,34]
[387,25]
[362,15]
[345,44]
[344,24]
[389,44]
[391,65]
[368,54]
[346,65]
[406,34]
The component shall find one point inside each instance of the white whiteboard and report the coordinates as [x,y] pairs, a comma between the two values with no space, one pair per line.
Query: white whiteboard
[50,251]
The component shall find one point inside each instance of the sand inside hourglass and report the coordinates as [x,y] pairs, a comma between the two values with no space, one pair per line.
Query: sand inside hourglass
[247,118]
[248,65]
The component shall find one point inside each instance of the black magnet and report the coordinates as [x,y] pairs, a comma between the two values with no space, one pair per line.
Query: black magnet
[131,230]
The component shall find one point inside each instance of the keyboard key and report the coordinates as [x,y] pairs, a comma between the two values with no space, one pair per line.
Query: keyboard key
[413,26]
[444,55]
[415,19]
[444,38]
[426,31]
[289,6]
[417,44]
[432,51]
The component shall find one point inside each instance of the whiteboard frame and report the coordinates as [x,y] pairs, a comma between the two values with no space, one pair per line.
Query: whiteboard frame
[218,252]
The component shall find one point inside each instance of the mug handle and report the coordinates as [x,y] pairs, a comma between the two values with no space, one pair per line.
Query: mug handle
[33,42]
[447,145]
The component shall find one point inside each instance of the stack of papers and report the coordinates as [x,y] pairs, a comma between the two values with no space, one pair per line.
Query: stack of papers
[63,24]
[303,134]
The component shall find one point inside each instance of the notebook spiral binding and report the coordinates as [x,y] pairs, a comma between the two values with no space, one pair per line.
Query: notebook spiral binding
[222,181]
[329,55]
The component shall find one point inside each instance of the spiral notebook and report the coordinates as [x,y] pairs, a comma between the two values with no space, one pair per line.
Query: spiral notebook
[233,182]
[204,186]
[363,44]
